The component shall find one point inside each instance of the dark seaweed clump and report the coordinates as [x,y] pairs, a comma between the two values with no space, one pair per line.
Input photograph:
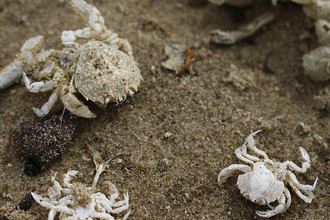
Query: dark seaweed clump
[45,141]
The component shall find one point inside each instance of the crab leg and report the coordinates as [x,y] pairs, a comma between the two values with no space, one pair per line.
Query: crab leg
[241,153]
[308,189]
[251,145]
[99,215]
[52,214]
[95,29]
[38,86]
[11,74]
[68,176]
[29,49]
[305,165]
[284,204]
[124,204]
[44,110]
[92,16]
[227,172]
[302,196]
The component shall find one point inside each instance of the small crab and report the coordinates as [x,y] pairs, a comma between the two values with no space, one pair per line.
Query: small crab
[76,201]
[264,182]
[95,62]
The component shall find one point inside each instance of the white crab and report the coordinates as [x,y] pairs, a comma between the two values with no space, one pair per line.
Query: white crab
[95,62]
[76,201]
[264,183]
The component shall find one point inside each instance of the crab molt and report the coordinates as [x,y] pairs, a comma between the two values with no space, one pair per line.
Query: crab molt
[105,74]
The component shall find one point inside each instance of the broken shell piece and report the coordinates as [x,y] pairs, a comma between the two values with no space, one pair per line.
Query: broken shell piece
[231,37]
[317,63]
[176,54]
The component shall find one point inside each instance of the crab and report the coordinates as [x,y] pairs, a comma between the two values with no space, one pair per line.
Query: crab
[76,201]
[263,181]
[94,62]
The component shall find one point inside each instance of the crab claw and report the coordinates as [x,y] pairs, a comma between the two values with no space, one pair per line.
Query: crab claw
[284,204]
[74,105]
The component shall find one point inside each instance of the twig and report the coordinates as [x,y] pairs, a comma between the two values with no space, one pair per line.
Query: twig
[231,37]
[187,62]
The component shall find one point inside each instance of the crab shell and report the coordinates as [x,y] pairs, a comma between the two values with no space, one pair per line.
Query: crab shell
[105,74]
[260,185]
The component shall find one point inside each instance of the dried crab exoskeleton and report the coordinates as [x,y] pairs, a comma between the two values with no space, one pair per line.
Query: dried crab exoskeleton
[76,201]
[264,180]
[94,62]
[14,71]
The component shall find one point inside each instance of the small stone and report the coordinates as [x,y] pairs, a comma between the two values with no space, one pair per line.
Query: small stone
[162,166]
[26,203]
[321,101]
[316,63]
[168,134]
[266,125]
[303,129]
[319,139]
